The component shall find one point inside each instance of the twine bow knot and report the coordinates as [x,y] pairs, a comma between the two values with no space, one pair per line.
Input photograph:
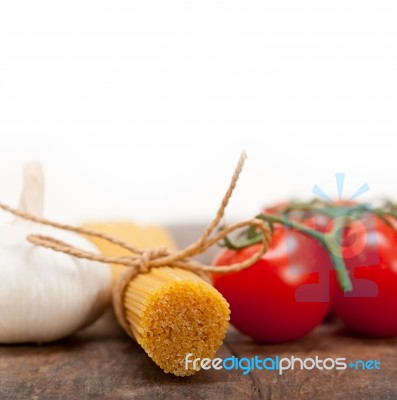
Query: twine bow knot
[144,260]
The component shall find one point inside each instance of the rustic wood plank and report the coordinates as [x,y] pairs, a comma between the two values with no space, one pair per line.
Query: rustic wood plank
[102,362]
[329,340]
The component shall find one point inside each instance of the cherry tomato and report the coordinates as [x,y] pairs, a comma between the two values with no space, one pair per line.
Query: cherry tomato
[323,222]
[370,254]
[285,294]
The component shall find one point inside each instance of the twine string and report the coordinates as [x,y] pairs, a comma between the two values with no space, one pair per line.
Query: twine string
[142,261]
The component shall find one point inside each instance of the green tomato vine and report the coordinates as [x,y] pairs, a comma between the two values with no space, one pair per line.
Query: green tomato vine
[340,215]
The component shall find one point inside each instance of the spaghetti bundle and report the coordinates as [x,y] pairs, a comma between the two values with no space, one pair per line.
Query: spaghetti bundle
[169,311]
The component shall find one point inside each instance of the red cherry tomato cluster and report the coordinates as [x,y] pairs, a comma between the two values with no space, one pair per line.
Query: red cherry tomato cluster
[293,287]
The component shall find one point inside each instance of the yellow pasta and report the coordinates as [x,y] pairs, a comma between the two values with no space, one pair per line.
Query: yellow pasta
[170,311]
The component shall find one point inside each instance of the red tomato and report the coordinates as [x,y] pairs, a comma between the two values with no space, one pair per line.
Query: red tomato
[370,253]
[285,294]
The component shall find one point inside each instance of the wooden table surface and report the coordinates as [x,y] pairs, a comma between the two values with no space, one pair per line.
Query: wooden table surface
[102,362]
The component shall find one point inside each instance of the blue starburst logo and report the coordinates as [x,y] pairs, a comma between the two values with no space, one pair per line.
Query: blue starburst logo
[340,183]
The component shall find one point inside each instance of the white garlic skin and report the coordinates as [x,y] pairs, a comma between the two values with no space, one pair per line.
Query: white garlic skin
[46,295]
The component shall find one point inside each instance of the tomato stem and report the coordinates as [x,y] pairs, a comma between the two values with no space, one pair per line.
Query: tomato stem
[330,241]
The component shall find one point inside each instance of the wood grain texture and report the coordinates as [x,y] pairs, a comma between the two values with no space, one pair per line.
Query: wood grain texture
[102,362]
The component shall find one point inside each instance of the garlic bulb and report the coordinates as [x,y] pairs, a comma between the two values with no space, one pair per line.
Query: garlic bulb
[45,295]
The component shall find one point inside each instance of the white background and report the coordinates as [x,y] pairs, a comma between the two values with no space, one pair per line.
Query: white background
[139,109]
